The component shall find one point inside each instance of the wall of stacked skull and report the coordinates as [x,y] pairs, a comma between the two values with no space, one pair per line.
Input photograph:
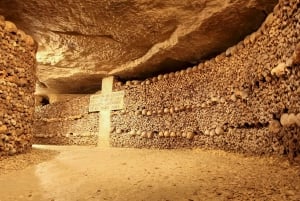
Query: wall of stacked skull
[244,100]
[17,85]
[66,123]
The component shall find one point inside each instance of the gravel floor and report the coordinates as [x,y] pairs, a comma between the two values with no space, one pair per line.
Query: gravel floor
[93,174]
[9,164]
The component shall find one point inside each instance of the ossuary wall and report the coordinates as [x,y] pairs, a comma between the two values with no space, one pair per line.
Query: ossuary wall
[17,84]
[66,123]
[245,99]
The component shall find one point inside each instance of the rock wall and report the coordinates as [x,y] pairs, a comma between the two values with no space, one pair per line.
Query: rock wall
[130,38]
[17,84]
[66,123]
[244,100]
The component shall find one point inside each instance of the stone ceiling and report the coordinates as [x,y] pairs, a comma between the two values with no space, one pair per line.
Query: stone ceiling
[81,41]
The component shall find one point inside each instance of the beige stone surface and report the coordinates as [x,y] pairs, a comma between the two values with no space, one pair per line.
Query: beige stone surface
[86,173]
[11,164]
[80,41]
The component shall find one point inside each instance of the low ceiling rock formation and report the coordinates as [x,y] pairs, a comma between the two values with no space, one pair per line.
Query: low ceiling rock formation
[81,41]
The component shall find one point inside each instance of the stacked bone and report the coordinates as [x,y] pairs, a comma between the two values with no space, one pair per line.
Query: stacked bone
[17,82]
[229,102]
[66,123]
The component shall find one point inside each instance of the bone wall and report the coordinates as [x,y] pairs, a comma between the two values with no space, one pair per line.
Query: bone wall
[17,83]
[244,100]
[66,123]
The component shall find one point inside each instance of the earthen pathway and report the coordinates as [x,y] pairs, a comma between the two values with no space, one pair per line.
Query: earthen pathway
[94,174]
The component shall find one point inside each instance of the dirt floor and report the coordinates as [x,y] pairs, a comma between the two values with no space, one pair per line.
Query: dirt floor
[96,174]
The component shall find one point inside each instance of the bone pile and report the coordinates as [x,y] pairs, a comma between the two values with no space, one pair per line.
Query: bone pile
[17,84]
[66,123]
[244,100]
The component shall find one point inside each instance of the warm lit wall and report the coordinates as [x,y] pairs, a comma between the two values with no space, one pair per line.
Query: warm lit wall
[244,100]
[53,98]
[17,83]
[66,123]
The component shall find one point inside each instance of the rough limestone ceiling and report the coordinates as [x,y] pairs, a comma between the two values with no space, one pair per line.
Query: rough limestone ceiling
[80,41]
